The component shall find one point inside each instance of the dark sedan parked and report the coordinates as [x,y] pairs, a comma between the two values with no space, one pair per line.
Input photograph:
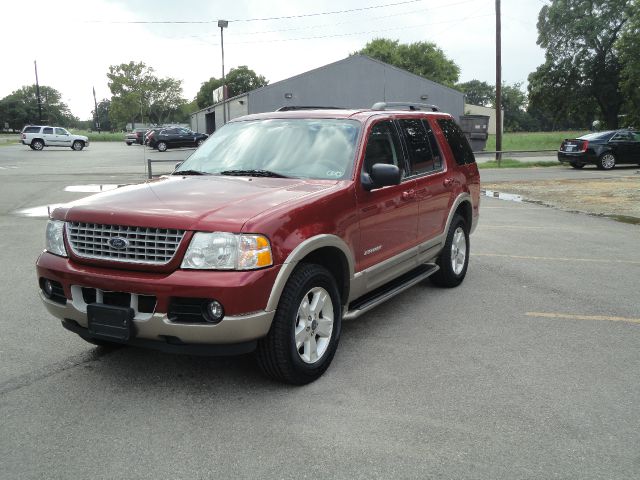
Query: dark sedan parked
[173,137]
[604,149]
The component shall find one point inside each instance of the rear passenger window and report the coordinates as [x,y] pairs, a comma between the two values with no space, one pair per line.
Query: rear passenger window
[383,146]
[424,156]
[457,141]
[32,130]
[47,131]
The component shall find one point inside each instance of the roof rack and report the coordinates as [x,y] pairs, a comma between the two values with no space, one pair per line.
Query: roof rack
[288,108]
[404,105]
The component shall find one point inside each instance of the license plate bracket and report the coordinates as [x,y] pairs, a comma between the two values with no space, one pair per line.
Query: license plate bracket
[111,323]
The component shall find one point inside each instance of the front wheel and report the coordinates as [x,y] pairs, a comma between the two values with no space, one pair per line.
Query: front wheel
[77,145]
[454,258]
[162,146]
[305,331]
[606,161]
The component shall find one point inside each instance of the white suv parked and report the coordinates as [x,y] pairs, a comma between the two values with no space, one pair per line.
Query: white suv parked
[38,137]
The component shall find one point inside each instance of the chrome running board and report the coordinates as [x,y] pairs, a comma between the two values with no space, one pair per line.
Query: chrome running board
[382,294]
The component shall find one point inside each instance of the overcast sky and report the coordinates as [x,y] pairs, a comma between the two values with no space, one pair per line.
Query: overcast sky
[75,41]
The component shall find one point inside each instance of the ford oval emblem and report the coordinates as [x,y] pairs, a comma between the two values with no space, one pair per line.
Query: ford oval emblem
[118,243]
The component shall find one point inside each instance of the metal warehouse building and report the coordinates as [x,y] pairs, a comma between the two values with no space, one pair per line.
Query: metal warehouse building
[355,82]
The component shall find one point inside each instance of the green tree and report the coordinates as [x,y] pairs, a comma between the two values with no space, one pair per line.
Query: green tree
[104,106]
[421,58]
[629,46]
[478,93]
[239,80]
[139,95]
[20,108]
[580,38]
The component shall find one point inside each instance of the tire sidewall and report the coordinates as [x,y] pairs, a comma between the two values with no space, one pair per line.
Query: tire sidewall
[37,145]
[446,277]
[77,145]
[162,146]
[322,279]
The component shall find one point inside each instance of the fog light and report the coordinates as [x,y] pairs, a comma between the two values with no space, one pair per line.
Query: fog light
[47,288]
[213,311]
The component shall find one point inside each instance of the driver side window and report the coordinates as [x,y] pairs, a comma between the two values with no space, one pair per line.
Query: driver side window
[383,146]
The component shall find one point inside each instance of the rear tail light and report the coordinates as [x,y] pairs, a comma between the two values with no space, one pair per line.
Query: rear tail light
[584,146]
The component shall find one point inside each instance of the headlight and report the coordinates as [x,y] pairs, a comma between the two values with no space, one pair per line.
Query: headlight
[227,251]
[55,238]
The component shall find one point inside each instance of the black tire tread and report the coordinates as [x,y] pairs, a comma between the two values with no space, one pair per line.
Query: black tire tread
[445,276]
[273,351]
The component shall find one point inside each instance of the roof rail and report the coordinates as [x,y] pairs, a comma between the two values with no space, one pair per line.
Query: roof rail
[404,105]
[288,108]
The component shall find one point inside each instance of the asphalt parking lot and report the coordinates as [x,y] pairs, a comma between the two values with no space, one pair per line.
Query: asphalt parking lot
[529,369]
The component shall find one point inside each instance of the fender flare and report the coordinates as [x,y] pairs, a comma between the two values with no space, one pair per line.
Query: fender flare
[300,252]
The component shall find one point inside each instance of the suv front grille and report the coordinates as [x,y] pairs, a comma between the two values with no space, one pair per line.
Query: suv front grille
[155,246]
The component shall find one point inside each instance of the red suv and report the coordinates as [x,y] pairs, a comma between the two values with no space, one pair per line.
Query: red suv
[279,227]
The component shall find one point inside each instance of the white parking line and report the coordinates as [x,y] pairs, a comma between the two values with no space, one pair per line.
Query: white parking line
[568,316]
[558,259]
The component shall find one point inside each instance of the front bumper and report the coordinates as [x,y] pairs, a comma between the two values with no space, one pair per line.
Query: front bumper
[244,296]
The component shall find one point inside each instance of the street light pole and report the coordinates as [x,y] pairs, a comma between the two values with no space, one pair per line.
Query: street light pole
[223,24]
[498,84]
[35,65]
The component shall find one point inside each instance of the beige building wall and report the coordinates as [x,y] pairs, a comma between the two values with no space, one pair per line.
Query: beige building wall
[491,112]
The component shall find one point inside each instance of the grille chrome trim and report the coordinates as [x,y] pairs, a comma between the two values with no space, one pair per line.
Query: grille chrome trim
[146,245]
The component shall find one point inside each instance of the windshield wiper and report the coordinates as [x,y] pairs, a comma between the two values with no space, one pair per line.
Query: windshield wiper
[253,173]
[190,172]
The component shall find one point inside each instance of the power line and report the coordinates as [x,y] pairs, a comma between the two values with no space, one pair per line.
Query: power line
[324,25]
[182,22]
[337,35]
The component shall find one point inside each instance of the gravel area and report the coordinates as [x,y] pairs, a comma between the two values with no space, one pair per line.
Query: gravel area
[615,197]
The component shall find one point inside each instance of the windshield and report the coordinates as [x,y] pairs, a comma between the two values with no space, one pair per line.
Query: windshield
[301,148]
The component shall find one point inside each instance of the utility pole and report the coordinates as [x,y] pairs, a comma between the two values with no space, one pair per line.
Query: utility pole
[223,24]
[95,102]
[35,65]
[498,85]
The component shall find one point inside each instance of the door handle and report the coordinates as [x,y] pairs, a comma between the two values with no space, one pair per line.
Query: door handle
[448,182]
[409,195]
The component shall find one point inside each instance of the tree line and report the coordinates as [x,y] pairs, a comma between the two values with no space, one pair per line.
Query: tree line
[591,73]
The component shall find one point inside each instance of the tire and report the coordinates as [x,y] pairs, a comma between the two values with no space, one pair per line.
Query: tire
[162,146]
[299,350]
[31,147]
[454,258]
[577,166]
[606,161]
[77,145]
[37,144]
[128,143]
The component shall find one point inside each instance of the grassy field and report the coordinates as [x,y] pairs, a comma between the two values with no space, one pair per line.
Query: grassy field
[100,137]
[531,140]
[511,163]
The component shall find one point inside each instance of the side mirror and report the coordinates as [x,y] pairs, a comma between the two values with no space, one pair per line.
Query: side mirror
[382,175]
[177,165]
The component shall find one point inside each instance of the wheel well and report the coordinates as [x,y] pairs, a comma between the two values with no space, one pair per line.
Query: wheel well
[34,139]
[333,259]
[464,209]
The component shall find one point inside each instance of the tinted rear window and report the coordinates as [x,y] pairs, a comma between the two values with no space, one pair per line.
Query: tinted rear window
[31,129]
[597,136]
[457,141]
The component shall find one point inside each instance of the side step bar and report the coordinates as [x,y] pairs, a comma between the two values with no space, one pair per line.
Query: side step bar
[382,294]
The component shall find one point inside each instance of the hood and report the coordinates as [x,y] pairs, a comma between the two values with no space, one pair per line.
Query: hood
[208,203]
